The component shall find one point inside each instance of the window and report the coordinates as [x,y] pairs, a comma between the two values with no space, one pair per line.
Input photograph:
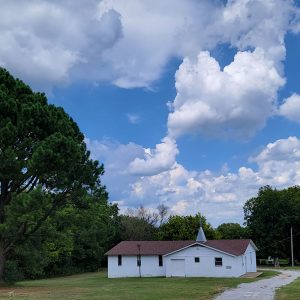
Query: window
[218,261]
[197,259]
[160,260]
[251,257]
[119,260]
[138,260]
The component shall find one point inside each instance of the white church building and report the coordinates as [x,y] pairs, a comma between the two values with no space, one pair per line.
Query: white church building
[200,258]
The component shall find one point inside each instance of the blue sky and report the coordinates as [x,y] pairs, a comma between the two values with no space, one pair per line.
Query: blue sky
[193,104]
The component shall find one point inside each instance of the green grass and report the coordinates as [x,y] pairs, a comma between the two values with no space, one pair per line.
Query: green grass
[98,286]
[296,268]
[289,292]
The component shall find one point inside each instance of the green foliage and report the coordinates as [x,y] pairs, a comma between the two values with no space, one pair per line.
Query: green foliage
[184,228]
[45,168]
[269,217]
[136,229]
[229,231]
[39,142]
[71,241]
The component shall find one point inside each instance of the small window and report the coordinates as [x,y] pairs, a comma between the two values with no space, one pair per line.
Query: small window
[160,260]
[197,259]
[138,260]
[218,261]
[119,260]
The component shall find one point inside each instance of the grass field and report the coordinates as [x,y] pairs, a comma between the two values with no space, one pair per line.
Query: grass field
[290,291]
[97,286]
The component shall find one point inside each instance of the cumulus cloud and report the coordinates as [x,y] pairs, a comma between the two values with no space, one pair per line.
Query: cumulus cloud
[181,25]
[219,195]
[187,27]
[291,108]
[260,24]
[43,41]
[234,102]
[279,162]
[155,161]
[54,42]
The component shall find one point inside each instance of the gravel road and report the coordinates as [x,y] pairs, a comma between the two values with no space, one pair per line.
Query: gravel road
[260,290]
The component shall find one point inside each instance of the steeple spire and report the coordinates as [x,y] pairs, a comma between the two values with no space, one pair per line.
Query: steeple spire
[201,236]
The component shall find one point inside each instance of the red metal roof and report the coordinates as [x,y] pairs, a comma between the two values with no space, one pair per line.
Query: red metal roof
[234,247]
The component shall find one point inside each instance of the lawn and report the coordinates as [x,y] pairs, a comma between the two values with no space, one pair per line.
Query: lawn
[98,286]
[290,291]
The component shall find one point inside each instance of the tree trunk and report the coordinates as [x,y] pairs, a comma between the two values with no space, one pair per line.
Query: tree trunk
[2,263]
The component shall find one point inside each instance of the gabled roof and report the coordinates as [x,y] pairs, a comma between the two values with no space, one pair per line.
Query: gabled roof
[232,247]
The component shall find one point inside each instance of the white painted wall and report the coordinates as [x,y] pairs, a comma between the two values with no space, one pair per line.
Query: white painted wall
[186,259]
[129,268]
[232,266]
[250,259]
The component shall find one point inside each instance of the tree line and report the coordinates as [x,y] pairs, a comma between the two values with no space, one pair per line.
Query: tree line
[55,214]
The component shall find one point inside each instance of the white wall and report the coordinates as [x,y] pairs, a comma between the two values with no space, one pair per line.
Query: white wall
[250,259]
[206,267]
[129,268]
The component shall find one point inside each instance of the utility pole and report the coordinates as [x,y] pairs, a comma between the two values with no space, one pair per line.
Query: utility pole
[292,247]
[139,262]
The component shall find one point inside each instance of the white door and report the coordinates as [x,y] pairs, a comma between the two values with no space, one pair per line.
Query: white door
[177,267]
[246,263]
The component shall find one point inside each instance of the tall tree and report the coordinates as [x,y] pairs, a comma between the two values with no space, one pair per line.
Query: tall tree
[73,240]
[41,150]
[138,224]
[184,228]
[163,211]
[228,231]
[269,217]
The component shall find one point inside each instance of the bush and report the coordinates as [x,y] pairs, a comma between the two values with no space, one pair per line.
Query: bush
[12,272]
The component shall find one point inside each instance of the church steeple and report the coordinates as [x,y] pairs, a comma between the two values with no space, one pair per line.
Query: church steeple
[201,235]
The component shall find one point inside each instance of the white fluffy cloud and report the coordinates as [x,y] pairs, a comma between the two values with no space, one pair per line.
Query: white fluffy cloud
[279,162]
[52,42]
[156,32]
[291,108]
[43,41]
[220,196]
[233,102]
[187,27]
[260,24]
[155,161]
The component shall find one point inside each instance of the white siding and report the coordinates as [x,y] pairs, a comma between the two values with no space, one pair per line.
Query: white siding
[250,259]
[129,268]
[232,266]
